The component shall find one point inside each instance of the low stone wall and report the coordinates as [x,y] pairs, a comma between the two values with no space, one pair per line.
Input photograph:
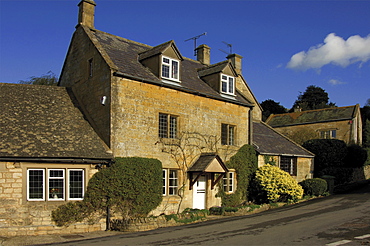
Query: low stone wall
[13,231]
[142,224]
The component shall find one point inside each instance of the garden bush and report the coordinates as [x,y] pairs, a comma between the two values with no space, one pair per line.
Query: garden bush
[271,184]
[314,187]
[245,164]
[328,153]
[356,156]
[132,187]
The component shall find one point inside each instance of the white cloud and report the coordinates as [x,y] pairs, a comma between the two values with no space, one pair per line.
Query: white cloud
[336,82]
[335,50]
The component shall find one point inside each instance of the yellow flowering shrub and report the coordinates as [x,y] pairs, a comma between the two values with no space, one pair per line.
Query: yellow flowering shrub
[276,185]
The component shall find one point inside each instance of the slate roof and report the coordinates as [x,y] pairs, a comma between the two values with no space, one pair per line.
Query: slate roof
[312,116]
[269,142]
[126,55]
[42,122]
[204,160]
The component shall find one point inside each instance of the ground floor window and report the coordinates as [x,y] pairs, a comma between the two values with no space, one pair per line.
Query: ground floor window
[170,182]
[289,164]
[55,184]
[228,182]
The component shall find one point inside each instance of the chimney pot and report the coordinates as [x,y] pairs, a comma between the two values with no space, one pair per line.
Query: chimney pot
[204,54]
[236,60]
[86,13]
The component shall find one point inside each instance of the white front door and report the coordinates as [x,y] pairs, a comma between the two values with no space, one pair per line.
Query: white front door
[199,193]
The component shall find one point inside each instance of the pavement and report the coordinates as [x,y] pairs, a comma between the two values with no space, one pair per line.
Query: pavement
[49,239]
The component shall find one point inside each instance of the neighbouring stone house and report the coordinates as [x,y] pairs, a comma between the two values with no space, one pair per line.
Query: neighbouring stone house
[343,123]
[121,98]
[48,152]
[279,150]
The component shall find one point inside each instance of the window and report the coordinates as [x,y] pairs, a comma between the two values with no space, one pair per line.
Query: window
[91,67]
[228,182]
[330,134]
[227,84]
[227,134]
[170,182]
[289,164]
[54,185]
[170,68]
[167,126]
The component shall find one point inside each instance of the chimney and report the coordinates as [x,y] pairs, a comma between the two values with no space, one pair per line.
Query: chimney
[236,60]
[204,54]
[86,13]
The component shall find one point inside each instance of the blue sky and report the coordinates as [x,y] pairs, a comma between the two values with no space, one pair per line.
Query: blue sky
[286,45]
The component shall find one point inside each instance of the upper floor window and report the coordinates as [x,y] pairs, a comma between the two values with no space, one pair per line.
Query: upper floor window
[170,68]
[227,134]
[167,126]
[227,84]
[330,134]
[55,184]
[289,164]
[228,182]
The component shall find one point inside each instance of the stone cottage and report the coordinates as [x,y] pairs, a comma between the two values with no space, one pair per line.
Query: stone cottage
[120,98]
[343,123]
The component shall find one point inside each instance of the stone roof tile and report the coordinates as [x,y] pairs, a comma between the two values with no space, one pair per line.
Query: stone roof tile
[42,122]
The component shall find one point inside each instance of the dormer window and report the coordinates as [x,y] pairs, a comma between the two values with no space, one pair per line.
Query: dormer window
[170,68]
[227,84]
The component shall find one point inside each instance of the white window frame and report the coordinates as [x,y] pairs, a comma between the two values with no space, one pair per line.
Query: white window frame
[229,182]
[167,181]
[172,74]
[46,177]
[43,184]
[229,82]
[49,178]
[69,184]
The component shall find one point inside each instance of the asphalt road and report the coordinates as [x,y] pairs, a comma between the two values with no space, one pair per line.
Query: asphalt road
[335,220]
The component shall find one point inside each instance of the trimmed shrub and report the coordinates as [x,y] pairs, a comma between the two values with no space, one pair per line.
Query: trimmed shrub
[71,212]
[245,164]
[356,156]
[132,186]
[271,184]
[328,153]
[314,187]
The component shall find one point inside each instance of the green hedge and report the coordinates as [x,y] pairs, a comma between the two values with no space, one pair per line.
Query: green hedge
[314,187]
[132,186]
[245,164]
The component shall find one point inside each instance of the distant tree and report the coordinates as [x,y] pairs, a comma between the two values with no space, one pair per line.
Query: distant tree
[48,79]
[365,114]
[313,98]
[271,107]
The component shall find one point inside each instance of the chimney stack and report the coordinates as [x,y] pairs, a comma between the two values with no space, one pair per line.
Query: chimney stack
[236,60]
[204,54]
[86,13]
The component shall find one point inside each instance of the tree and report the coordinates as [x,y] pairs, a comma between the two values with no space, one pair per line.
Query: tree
[313,98]
[271,107]
[47,79]
[365,114]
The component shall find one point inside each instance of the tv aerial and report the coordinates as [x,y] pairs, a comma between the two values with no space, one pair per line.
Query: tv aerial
[195,41]
[230,46]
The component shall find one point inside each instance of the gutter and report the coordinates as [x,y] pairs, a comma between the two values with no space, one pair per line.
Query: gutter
[162,84]
[58,160]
